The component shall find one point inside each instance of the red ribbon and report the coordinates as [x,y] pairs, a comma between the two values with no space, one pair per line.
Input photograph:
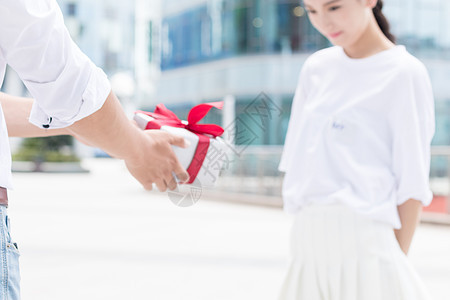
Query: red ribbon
[165,117]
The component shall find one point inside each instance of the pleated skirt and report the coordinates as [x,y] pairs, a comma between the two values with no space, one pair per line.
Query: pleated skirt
[337,254]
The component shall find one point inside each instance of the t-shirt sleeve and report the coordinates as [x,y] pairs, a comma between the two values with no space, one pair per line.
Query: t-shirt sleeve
[413,130]
[297,106]
[65,83]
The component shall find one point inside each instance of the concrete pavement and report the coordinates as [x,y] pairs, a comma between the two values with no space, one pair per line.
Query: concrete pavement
[100,236]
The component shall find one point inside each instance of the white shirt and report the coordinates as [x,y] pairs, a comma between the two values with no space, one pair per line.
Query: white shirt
[65,84]
[360,133]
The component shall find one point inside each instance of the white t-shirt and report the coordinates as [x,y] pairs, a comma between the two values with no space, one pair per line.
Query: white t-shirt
[360,133]
[65,84]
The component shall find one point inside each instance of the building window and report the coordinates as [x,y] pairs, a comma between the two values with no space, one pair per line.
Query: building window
[150,41]
[71,9]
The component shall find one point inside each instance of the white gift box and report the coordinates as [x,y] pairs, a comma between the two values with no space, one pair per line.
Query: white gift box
[215,158]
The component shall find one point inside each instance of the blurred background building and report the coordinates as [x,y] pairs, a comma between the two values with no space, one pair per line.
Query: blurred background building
[185,52]
[213,48]
[217,49]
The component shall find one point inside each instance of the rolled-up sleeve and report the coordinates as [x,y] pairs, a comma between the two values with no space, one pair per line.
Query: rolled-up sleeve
[64,82]
[413,131]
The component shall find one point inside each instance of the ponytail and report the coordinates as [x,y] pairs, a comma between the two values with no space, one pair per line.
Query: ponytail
[382,21]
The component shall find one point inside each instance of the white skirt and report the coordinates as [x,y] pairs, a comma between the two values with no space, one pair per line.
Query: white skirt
[338,254]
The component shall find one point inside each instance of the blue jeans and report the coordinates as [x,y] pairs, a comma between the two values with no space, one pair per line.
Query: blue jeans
[9,255]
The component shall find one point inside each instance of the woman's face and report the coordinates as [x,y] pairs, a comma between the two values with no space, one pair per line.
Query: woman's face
[341,21]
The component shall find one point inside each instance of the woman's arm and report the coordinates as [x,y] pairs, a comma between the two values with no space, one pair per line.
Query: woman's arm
[16,111]
[410,216]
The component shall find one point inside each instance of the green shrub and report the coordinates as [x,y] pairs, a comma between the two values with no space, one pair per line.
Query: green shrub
[48,149]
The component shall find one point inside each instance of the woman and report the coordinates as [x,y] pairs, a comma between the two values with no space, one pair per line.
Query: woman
[357,159]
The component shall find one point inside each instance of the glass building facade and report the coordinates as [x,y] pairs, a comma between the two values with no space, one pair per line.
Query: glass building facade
[226,28]
[421,25]
[104,30]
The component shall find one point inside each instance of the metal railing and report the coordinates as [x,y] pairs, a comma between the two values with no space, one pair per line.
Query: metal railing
[254,170]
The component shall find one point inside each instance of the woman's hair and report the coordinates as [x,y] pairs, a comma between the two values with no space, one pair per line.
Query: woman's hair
[382,21]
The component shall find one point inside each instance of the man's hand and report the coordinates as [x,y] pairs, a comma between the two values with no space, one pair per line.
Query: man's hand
[147,154]
[157,163]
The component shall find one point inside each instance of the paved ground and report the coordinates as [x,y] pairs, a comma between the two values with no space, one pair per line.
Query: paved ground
[100,236]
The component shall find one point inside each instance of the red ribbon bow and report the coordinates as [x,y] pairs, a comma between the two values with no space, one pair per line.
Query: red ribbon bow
[165,117]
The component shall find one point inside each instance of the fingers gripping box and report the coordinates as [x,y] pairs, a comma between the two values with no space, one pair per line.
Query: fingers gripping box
[206,155]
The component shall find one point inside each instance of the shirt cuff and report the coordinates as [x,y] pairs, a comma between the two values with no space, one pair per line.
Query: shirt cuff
[425,198]
[93,98]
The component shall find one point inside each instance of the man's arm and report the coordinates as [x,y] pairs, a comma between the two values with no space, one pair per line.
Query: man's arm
[410,216]
[16,111]
[147,154]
